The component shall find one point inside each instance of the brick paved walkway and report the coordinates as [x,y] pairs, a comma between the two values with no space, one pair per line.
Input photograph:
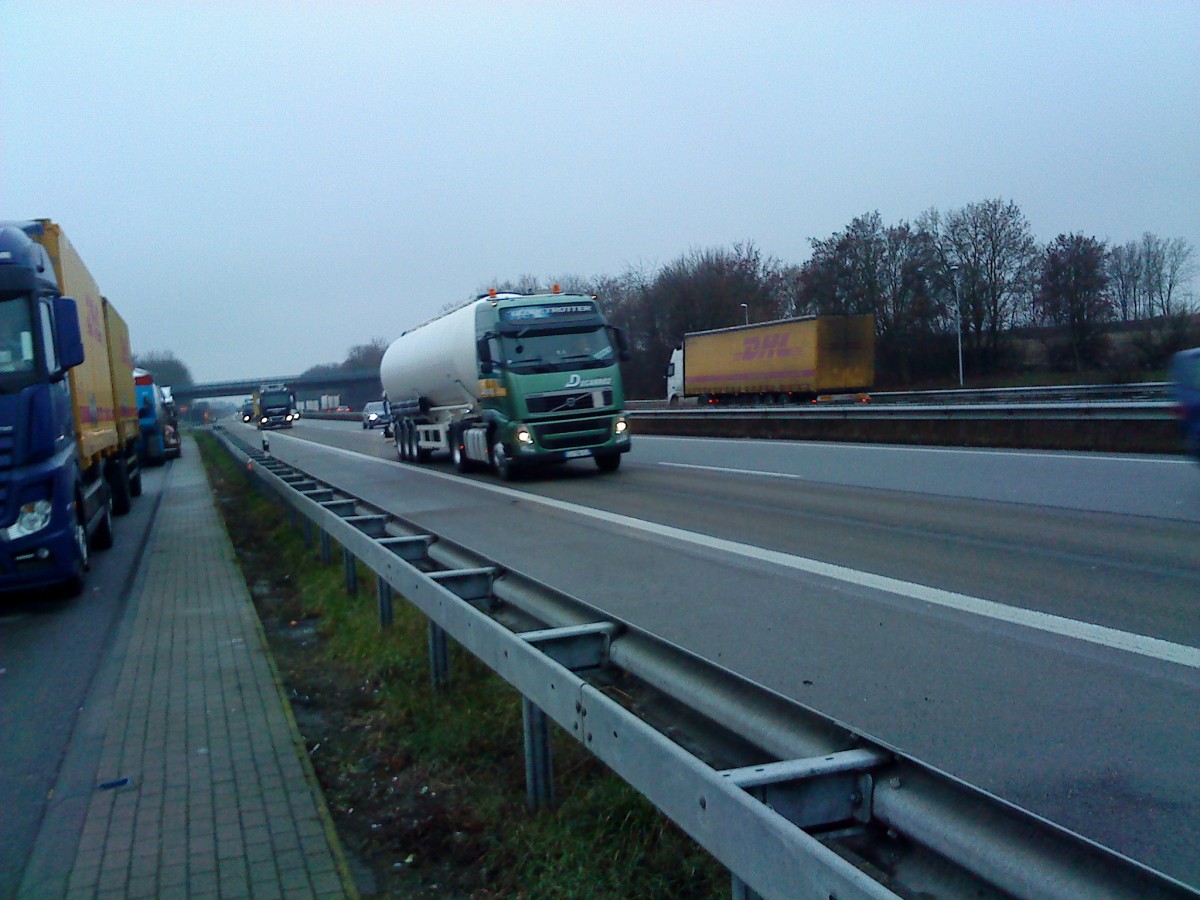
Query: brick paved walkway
[201,790]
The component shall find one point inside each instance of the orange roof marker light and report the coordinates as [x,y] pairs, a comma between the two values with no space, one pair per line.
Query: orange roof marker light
[556,289]
[492,293]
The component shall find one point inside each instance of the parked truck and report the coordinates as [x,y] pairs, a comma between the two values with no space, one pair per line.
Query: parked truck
[509,381]
[274,406]
[159,426]
[784,361]
[68,415]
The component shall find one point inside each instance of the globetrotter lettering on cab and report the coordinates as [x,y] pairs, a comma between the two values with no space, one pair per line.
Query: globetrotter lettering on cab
[767,346]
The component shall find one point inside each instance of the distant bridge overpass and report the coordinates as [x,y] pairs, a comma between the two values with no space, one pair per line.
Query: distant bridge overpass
[362,382]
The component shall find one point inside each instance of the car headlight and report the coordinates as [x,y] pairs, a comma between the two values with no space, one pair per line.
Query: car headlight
[372,417]
[620,426]
[31,518]
[523,435]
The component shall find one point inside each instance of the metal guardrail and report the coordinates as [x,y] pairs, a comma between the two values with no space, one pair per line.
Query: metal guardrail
[1066,393]
[1140,410]
[795,804]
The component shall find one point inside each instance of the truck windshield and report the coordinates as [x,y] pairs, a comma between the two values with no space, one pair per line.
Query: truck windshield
[17,360]
[558,351]
[275,399]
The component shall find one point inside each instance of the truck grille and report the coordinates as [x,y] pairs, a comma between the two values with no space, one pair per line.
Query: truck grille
[572,433]
[562,401]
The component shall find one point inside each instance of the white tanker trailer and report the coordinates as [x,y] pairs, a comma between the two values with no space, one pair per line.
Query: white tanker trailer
[509,381]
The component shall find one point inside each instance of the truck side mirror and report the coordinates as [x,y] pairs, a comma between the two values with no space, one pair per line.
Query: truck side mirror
[618,335]
[68,338]
[484,351]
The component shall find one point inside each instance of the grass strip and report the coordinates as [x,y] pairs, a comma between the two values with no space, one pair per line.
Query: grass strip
[427,789]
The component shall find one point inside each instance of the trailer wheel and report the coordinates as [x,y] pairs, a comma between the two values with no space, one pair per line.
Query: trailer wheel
[102,537]
[135,483]
[119,484]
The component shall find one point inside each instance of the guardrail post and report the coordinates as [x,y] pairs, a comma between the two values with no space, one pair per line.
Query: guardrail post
[539,770]
[350,566]
[439,656]
[326,551]
[384,592]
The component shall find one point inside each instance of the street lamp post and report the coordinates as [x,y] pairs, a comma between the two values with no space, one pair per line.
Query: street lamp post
[958,321]
[746,310]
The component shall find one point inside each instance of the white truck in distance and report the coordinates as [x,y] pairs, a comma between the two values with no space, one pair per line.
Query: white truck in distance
[510,381]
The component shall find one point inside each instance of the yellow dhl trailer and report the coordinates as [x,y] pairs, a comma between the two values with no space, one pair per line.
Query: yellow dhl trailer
[784,361]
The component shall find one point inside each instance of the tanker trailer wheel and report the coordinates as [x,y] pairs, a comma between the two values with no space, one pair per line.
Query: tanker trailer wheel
[402,441]
[458,451]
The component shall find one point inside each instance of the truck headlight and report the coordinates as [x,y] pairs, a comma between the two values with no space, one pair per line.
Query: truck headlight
[31,518]
[523,435]
[620,426]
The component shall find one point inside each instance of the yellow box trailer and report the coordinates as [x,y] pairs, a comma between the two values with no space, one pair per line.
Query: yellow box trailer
[787,360]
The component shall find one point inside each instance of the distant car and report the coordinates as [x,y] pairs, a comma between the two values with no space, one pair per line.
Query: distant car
[342,409]
[1185,372]
[375,415]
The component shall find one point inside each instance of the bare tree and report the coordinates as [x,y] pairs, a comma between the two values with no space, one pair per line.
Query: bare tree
[844,274]
[1124,268]
[1073,293]
[993,246]
[365,356]
[1179,269]
[166,368]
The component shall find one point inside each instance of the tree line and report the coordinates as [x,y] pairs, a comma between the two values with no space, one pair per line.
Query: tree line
[976,271]
[978,268]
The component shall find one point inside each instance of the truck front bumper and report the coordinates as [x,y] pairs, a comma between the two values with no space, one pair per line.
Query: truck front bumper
[562,440]
[37,560]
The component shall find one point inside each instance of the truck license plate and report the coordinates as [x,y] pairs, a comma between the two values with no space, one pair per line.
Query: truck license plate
[575,454]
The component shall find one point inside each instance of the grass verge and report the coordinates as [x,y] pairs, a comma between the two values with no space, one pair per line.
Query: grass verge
[427,790]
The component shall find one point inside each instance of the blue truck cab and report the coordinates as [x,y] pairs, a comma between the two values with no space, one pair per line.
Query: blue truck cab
[1185,374]
[45,522]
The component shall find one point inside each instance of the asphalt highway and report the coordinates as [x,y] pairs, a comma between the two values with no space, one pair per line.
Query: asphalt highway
[1025,621]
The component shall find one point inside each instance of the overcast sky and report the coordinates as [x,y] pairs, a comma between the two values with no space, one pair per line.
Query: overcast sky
[259,186]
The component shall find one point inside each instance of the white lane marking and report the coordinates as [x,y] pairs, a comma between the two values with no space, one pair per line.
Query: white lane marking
[967,451]
[1130,642]
[759,472]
